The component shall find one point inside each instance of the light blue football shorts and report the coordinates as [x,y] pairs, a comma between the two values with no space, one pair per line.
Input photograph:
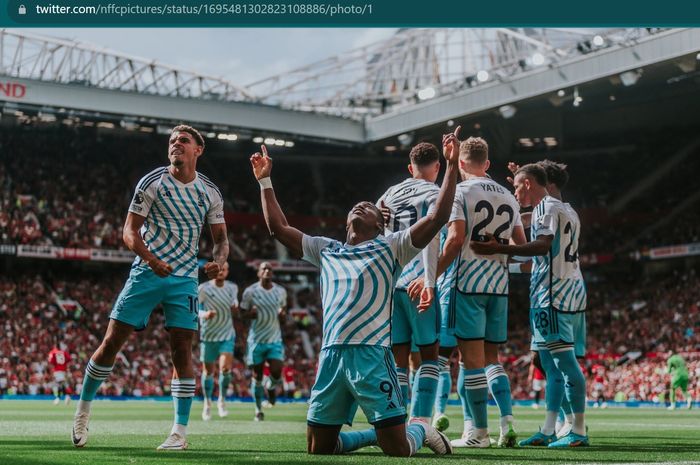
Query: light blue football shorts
[261,351]
[351,376]
[408,325]
[144,290]
[551,325]
[481,316]
[209,351]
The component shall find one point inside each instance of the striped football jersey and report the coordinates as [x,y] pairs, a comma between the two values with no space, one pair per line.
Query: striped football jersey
[486,207]
[556,277]
[175,213]
[264,329]
[357,285]
[219,299]
[410,201]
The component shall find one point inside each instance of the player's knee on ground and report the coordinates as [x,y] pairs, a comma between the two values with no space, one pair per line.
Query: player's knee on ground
[393,447]
[322,441]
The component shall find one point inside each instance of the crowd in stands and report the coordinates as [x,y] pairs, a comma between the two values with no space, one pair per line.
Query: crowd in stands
[632,324]
[35,317]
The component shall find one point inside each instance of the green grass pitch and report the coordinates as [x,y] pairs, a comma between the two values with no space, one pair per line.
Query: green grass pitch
[33,432]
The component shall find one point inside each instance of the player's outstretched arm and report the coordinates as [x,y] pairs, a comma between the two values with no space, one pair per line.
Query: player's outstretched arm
[274,217]
[423,231]
[133,240]
[539,246]
[452,246]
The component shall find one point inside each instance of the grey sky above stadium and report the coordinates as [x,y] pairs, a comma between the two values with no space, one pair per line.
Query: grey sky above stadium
[239,55]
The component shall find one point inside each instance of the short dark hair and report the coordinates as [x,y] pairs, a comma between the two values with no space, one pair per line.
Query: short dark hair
[190,130]
[556,173]
[424,154]
[535,171]
[474,149]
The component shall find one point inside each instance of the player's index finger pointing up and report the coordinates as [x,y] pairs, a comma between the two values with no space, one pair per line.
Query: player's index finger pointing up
[264,151]
[457,129]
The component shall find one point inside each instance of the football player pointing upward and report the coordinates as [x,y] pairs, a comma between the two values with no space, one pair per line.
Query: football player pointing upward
[356,367]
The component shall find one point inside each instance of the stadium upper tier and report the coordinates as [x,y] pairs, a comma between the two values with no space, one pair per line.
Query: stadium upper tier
[70,187]
[413,80]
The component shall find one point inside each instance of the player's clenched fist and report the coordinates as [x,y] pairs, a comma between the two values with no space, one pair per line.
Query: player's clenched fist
[450,145]
[160,268]
[212,270]
[262,163]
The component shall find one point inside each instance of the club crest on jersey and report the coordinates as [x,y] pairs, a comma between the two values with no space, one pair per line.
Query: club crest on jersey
[201,198]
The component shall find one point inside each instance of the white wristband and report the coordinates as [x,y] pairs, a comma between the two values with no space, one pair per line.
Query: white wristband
[514,268]
[265,183]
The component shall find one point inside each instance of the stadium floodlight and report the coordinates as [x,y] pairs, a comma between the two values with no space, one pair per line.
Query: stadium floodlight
[258,140]
[224,136]
[289,144]
[550,141]
[211,135]
[598,41]
[482,76]
[630,78]
[279,142]
[577,97]
[561,93]
[537,59]
[525,142]
[163,130]
[450,123]
[426,93]
[269,141]
[405,139]
[507,111]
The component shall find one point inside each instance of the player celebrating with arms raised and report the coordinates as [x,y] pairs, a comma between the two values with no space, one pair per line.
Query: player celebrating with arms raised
[409,201]
[356,366]
[162,227]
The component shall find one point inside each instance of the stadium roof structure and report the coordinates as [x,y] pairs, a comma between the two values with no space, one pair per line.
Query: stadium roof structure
[416,78]
[32,56]
[418,64]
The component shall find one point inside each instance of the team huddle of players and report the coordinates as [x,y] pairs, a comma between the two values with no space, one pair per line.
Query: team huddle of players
[426,265]
[471,262]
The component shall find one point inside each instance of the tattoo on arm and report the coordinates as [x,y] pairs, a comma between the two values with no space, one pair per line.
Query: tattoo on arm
[220,250]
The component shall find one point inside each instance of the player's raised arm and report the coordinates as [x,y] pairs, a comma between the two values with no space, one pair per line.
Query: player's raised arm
[274,217]
[539,246]
[423,231]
